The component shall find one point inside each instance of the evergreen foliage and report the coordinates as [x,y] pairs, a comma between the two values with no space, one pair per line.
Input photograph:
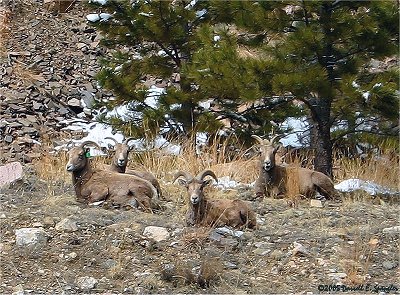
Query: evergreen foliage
[256,62]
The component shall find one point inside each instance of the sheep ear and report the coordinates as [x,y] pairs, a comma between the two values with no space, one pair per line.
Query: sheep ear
[110,146]
[182,182]
[130,147]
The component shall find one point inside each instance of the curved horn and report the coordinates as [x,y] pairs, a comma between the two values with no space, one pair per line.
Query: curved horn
[259,139]
[128,139]
[112,138]
[274,137]
[185,174]
[87,142]
[205,173]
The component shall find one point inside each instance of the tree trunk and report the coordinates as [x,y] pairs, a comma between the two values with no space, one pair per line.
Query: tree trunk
[321,135]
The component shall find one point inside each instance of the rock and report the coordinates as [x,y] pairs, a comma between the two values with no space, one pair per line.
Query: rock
[30,237]
[157,233]
[388,265]
[299,249]
[86,283]
[316,203]
[227,231]
[261,252]
[48,221]
[392,230]
[10,173]
[67,225]
[228,242]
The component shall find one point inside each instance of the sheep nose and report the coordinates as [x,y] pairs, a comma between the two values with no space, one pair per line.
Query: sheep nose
[121,162]
[69,167]
[195,200]
[267,165]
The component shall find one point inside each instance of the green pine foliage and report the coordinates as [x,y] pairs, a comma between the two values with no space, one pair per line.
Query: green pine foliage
[258,61]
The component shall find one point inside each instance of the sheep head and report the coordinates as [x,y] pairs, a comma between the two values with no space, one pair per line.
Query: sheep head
[268,150]
[78,156]
[195,185]
[122,150]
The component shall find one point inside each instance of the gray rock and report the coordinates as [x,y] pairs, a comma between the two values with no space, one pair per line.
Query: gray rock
[299,249]
[388,265]
[392,230]
[86,283]
[10,173]
[67,225]
[157,233]
[30,237]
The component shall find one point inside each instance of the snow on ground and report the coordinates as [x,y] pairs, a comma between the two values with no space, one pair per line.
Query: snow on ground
[354,184]
[298,137]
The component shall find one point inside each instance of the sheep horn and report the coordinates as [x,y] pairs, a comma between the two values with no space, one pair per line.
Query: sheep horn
[112,138]
[87,142]
[274,137]
[259,139]
[128,139]
[185,174]
[205,173]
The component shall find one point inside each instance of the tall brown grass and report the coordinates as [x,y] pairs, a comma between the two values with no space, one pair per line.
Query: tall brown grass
[382,169]
[224,161]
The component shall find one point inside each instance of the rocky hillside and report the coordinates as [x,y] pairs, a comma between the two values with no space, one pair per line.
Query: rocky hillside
[52,244]
[48,60]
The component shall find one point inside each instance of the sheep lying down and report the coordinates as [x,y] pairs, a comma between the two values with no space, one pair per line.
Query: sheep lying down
[94,185]
[210,212]
[116,190]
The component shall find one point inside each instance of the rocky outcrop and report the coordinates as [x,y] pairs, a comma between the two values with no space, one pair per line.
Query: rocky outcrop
[47,73]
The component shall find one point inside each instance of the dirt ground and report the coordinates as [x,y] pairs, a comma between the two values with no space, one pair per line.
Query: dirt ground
[303,250]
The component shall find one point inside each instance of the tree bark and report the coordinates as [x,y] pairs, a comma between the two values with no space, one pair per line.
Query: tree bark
[321,136]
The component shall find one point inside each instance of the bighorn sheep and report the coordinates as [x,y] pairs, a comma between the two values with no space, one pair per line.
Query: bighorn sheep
[92,185]
[276,180]
[120,161]
[206,212]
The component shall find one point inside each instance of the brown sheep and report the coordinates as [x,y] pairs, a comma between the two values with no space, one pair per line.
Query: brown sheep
[120,161]
[202,211]
[93,185]
[276,180]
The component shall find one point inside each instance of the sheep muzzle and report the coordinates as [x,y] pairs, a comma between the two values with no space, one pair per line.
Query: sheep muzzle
[69,167]
[195,199]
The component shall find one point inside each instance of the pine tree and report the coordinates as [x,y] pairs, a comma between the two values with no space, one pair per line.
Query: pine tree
[320,53]
[197,61]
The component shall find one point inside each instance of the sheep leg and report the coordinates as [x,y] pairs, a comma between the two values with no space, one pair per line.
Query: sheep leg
[260,187]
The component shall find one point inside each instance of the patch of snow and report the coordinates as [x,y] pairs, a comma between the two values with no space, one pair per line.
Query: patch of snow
[372,188]
[225,182]
[145,14]
[191,4]
[161,53]
[94,17]
[206,104]
[101,2]
[298,137]
[201,13]
[217,38]
[377,85]
[365,95]
[355,84]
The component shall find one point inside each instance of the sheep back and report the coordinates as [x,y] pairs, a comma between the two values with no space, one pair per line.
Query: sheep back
[117,188]
[235,213]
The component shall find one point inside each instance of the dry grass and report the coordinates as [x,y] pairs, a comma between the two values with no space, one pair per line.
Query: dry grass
[382,169]
[224,161]
[5,18]
[356,259]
